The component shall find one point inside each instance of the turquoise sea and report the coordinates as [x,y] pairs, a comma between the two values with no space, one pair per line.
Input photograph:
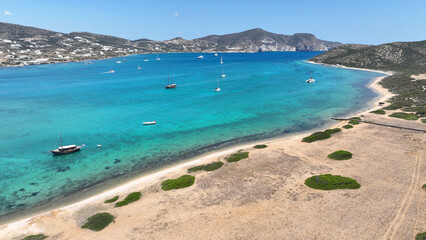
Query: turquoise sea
[263,96]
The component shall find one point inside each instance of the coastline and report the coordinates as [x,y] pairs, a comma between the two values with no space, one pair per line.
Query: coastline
[155,176]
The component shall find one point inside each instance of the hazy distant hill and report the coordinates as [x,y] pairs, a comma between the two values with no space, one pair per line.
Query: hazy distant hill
[397,56]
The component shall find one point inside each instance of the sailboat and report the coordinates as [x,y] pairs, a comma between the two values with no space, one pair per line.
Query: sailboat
[62,150]
[221,60]
[158,58]
[223,74]
[139,68]
[217,89]
[215,55]
[172,85]
[146,59]
[311,79]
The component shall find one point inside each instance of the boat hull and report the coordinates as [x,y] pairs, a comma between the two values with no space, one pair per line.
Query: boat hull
[64,152]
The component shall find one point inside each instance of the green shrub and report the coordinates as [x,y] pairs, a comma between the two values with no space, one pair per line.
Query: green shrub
[421,236]
[355,118]
[330,182]
[334,130]
[235,157]
[316,136]
[424,120]
[340,155]
[111,200]
[424,186]
[98,221]
[379,111]
[35,237]
[348,126]
[405,116]
[209,167]
[132,197]
[260,146]
[354,122]
[181,182]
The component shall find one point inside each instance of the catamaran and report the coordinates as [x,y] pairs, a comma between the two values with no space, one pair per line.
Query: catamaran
[221,60]
[172,85]
[311,79]
[62,150]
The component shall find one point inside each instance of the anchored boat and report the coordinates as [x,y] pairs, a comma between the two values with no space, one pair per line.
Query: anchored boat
[62,150]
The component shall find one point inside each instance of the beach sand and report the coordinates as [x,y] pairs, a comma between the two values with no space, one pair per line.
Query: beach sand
[264,196]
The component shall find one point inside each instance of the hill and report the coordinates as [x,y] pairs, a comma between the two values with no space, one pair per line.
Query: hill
[22,45]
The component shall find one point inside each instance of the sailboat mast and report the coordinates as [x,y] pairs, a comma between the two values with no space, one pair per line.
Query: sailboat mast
[61,138]
[168,79]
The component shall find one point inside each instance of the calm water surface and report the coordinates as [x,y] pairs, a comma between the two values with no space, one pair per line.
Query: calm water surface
[263,96]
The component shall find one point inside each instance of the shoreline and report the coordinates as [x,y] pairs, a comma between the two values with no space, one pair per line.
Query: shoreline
[155,176]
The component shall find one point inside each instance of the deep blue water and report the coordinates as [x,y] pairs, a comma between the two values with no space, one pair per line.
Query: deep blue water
[263,96]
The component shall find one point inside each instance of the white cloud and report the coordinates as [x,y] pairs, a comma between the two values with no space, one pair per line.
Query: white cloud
[177,14]
[7,13]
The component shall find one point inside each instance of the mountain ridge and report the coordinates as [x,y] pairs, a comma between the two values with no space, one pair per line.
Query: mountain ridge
[29,45]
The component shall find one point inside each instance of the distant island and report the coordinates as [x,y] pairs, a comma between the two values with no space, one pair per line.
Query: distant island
[22,45]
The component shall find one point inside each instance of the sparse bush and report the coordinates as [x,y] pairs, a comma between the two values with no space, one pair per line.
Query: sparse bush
[132,197]
[35,237]
[209,167]
[111,200]
[379,111]
[316,136]
[260,146]
[405,116]
[348,126]
[235,157]
[340,155]
[334,130]
[330,182]
[98,221]
[181,182]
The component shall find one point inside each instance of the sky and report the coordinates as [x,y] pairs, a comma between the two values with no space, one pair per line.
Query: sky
[360,21]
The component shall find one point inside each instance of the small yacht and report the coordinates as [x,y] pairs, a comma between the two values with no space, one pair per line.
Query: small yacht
[221,60]
[149,123]
[158,57]
[170,85]
[216,55]
[124,60]
[118,62]
[62,150]
[200,57]
[110,71]
[139,68]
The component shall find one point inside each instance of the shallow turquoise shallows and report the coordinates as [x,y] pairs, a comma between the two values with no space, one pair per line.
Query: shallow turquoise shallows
[263,96]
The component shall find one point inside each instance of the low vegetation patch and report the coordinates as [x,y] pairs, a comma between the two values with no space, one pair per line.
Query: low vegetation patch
[405,116]
[424,120]
[98,221]
[355,118]
[181,182]
[421,236]
[316,136]
[330,182]
[348,126]
[35,237]
[112,200]
[354,122]
[340,155]
[132,197]
[379,111]
[260,146]
[334,130]
[209,167]
[424,186]
[235,157]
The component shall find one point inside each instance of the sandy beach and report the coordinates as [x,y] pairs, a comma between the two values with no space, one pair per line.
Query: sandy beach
[265,197]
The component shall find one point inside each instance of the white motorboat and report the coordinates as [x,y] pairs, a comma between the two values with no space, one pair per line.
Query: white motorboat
[200,57]
[216,55]
[118,62]
[149,123]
